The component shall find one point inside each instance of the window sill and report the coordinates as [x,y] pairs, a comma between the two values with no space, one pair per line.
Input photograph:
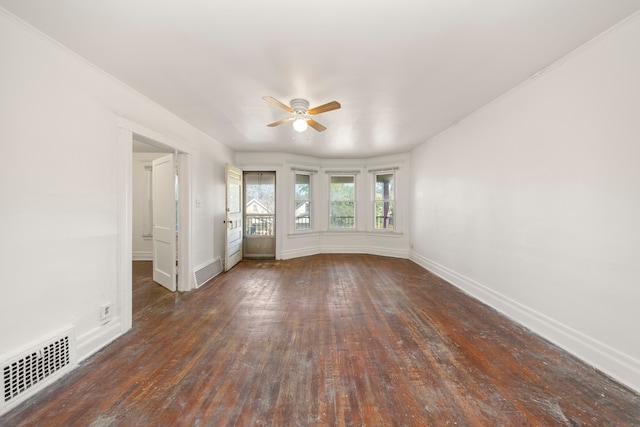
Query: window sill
[345,232]
[300,234]
[382,233]
[303,234]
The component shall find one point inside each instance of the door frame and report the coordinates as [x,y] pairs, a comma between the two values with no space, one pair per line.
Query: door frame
[281,210]
[275,214]
[126,131]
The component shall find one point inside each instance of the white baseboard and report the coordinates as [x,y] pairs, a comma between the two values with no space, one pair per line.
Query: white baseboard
[612,362]
[330,249]
[142,256]
[392,253]
[97,338]
[308,251]
[297,253]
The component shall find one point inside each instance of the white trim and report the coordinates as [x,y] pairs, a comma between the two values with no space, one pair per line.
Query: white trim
[384,233]
[280,188]
[303,171]
[127,129]
[618,365]
[186,281]
[371,228]
[291,226]
[97,338]
[124,290]
[382,170]
[342,232]
[155,136]
[342,172]
[298,253]
[356,210]
[142,256]
[332,249]
[303,234]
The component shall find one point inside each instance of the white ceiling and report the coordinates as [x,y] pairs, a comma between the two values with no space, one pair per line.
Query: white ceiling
[403,70]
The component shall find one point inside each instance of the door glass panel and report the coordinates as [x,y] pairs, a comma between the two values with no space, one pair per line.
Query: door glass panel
[260,204]
[234,198]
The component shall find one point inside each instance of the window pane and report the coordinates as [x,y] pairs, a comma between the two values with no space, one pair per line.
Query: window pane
[384,214]
[260,192]
[342,215]
[302,197]
[303,215]
[384,201]
[385,187]
[302,181]
[260,203]
[342,188]
[259,225]
[342,196]
[302,187]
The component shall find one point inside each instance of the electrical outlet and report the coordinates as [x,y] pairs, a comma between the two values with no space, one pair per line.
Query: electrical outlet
[105,311]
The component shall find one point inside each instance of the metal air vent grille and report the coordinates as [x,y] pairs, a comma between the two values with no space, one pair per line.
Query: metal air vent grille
[208,271]
[34,368]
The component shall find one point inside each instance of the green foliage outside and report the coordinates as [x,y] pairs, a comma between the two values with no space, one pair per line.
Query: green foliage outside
[342,195]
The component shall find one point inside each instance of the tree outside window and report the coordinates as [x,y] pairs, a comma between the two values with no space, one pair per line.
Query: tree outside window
[342,201]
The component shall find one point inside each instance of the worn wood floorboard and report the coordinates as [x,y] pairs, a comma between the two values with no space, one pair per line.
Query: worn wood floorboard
[327,340]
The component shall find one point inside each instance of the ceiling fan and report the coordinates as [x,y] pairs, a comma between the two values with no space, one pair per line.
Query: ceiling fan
[300,113]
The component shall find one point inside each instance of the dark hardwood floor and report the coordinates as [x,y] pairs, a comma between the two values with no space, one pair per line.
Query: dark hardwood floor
[327,340]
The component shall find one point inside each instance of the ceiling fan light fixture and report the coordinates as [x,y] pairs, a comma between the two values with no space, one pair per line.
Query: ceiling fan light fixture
[300,124]
[301,114]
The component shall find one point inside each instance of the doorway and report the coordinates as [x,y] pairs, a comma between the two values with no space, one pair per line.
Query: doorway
[155,210]
[128,131]
[260,215]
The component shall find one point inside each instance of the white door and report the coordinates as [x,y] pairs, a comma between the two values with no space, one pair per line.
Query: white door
[164,222]
[233,247]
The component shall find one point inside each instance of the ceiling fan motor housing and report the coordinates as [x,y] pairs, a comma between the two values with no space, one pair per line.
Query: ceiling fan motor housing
[299,105]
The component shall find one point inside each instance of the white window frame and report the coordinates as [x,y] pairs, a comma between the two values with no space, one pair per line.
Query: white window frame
[355,200]
[309,200]
[394,201]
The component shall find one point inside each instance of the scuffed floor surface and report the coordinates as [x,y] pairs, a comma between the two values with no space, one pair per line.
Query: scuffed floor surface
[327,340]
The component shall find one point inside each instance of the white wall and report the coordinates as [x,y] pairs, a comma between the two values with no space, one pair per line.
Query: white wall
[533,203]
[363,239]
[61,189]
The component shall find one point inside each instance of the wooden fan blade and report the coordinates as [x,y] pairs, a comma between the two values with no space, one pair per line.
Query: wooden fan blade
[317,126]
[277,103]
[279,122]
[333,105]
